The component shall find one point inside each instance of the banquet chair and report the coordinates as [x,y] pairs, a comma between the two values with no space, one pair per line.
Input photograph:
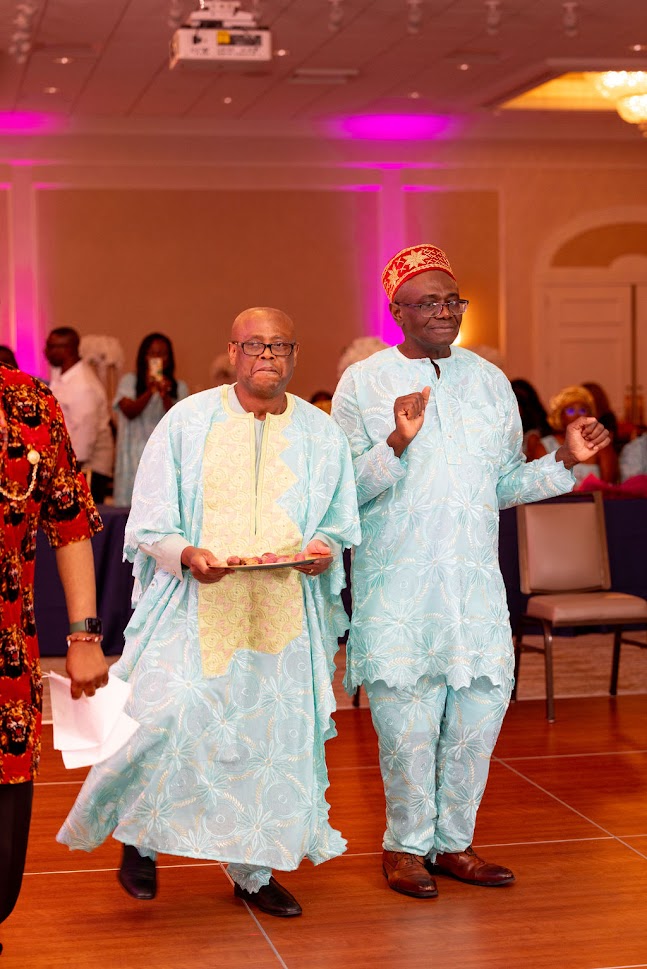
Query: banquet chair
[564,567]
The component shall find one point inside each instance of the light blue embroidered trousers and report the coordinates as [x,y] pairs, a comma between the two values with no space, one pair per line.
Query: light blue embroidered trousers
[435,747]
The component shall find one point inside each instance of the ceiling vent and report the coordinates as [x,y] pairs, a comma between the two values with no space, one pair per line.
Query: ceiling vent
[324,75]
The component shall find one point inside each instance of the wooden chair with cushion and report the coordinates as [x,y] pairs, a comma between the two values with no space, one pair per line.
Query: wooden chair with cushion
[564,567]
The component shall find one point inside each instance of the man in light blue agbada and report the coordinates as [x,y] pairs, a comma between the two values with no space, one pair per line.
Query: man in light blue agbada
[231,670]
[436,440]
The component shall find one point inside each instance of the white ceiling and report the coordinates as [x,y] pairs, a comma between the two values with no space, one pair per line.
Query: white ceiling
[119,63]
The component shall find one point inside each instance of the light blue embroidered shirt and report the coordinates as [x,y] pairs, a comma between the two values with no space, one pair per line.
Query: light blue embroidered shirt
[428,595]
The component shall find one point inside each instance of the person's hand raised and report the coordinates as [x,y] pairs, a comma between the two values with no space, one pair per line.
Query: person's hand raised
[409,413]
[583,438]
[163,386]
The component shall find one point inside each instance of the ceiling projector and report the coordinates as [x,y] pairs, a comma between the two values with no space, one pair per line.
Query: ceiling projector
[220,32]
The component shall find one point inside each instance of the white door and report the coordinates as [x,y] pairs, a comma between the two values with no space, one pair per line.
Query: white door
[585,335]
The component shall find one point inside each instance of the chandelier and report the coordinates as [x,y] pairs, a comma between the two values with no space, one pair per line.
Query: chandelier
[628,91]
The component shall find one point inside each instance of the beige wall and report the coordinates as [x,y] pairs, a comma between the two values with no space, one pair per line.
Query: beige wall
[133,234]
[538,204]
[185,263]
[466,225]
[602,245]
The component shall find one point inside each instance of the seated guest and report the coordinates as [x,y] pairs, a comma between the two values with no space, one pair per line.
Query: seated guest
[605,415]
[141,400]
[565,407]
[85,407]
[633,458]
[533,418]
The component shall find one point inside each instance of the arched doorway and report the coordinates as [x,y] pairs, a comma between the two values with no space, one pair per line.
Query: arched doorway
[592,308]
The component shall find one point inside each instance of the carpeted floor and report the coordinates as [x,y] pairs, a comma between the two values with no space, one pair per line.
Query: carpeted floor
[582,668]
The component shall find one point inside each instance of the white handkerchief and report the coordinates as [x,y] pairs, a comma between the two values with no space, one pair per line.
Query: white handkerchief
[90,729]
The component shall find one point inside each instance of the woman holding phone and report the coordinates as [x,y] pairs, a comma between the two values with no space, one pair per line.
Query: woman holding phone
[141,400]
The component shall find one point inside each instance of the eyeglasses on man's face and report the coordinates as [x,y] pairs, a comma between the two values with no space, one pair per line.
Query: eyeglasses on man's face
[254,348]
[455,307]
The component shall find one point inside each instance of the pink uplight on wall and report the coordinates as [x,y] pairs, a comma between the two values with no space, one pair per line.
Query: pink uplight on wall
[393,127]
[28,122]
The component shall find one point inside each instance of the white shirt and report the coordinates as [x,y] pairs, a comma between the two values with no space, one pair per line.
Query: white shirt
[85,408]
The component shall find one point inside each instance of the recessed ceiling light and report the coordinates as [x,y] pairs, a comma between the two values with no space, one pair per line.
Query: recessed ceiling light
[62,60]
[227,100]
[414,95]
[463,67]
[281,52]
[50,90]
[638,48]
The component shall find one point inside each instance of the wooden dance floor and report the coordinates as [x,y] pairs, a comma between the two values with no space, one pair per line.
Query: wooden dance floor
[566,808]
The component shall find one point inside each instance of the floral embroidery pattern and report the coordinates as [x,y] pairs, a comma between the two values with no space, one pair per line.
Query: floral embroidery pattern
[248,610]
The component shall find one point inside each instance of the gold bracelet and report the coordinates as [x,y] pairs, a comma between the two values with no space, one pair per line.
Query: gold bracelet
[82,638]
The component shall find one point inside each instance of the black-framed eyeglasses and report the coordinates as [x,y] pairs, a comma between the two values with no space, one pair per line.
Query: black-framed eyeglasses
[254,348]
[455,307]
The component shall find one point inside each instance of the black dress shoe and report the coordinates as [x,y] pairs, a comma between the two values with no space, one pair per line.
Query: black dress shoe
[272,898]
[137,874]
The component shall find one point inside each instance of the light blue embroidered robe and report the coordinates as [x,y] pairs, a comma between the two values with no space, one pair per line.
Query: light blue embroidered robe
[229,767]
[428,595]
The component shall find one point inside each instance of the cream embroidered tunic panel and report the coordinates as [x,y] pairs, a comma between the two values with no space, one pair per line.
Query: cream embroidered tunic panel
[428,595]
[228,762]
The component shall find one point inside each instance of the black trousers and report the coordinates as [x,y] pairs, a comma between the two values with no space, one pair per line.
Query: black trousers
[15,817]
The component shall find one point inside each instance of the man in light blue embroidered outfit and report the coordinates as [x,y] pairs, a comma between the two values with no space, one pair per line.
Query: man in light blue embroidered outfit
[231,671]
[436,440]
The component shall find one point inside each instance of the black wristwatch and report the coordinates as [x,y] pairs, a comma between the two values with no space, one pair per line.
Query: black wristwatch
[93,625]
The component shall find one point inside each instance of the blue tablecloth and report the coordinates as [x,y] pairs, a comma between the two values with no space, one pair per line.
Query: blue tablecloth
[114,587]
[626,522]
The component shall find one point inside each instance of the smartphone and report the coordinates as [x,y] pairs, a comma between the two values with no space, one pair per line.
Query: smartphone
[155,368]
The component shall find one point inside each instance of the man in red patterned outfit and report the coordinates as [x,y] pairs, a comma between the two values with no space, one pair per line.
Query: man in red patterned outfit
[40,485]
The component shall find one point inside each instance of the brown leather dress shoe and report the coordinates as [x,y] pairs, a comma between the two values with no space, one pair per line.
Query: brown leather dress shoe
[468,867]
[271,898]
[407,874]
[137,874]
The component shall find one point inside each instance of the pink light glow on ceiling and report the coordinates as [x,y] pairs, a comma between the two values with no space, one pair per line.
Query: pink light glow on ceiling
[359,188]
[393,127]
[389,166]
[28,122]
